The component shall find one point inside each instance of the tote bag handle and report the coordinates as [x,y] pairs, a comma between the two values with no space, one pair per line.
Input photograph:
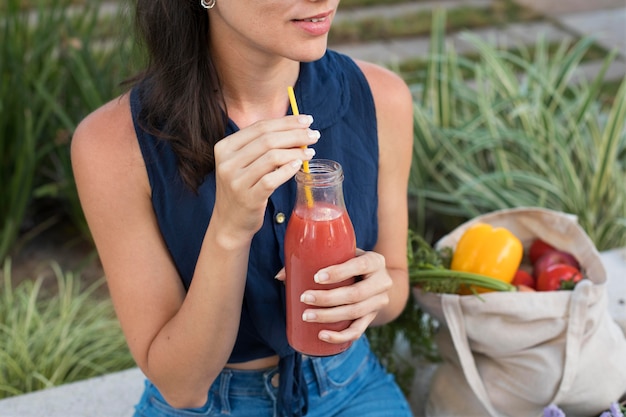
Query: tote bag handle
[455,321]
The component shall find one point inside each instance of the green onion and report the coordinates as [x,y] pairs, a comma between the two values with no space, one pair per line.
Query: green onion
[447,280]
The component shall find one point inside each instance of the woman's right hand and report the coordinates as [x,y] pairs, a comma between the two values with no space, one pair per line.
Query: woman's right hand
[251,163]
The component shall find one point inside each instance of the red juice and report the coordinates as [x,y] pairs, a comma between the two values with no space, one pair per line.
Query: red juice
[316,237]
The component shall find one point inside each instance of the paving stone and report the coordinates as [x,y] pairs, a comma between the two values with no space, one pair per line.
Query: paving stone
[529,33]
[553,8]
[492,36]
[387,52]
[414,47]
[589,70]
[608,27]
[402,49]
[396,10]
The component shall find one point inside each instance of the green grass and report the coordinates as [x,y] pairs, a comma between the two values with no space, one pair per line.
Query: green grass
[351,4]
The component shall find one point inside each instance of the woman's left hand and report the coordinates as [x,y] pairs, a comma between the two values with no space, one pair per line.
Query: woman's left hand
[359,302]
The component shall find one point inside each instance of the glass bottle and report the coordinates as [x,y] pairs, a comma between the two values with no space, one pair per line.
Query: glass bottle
[319,234]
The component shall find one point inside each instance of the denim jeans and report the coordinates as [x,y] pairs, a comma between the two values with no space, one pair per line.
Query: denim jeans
[350,384]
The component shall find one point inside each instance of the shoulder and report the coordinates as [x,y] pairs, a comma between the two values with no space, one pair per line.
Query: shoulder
[107,126]
[394,107]
[394,115]
[104,145]
[107,134]
[391,94]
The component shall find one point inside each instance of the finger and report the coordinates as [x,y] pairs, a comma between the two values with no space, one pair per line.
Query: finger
[361,265]
[276,158]
[281,275]
[266,148]
[348,294]
[261,178]
[248,166]
[350,334]
[345,311]
[243,137]
[269,182]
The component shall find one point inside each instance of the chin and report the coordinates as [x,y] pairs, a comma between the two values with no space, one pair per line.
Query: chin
[311,54]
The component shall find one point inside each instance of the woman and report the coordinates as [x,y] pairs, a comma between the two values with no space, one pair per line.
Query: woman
[184,182]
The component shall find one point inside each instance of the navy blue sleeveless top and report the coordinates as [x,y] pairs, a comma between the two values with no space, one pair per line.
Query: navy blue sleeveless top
[335,92]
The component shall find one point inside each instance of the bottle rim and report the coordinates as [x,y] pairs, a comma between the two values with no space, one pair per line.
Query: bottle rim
[322,172]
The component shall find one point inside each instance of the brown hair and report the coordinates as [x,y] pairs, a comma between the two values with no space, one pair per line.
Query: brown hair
[181,95]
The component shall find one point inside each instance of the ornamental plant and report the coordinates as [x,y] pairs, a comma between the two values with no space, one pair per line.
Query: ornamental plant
[58,62]
[518,129]
[54,334]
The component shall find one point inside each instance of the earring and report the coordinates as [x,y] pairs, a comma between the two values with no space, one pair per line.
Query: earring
[207,4]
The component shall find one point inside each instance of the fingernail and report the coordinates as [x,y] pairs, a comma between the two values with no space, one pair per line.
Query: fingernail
[308,316]
[324,336]
[321,277]
[314,134]
[309,152]
[305,119]
[297,163]
[307,298]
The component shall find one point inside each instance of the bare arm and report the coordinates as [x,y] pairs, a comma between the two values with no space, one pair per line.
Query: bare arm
[394,113]
[181,341]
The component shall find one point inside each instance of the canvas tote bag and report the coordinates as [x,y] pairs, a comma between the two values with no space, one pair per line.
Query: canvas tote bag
[512,354]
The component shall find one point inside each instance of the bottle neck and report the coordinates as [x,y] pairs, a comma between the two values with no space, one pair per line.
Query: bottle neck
[322,185]
[322,173]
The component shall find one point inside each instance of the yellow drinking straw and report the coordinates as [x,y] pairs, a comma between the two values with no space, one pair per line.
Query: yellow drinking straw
[305,164]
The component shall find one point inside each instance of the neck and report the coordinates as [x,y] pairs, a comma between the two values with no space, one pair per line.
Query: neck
[254,87]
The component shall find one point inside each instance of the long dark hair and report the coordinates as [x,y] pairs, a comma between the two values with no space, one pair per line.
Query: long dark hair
[181,95]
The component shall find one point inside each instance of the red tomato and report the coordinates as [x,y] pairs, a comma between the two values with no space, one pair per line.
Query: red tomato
[558,277]
[522,277]
[537,249]
[553,257]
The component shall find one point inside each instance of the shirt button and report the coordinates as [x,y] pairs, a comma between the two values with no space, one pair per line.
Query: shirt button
[280,218]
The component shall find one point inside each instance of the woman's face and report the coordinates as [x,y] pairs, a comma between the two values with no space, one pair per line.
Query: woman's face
[295,29]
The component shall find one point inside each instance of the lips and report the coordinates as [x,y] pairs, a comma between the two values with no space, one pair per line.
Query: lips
[315,19]
[315,25]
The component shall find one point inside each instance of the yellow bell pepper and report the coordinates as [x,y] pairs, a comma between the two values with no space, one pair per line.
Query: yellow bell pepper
[486,250]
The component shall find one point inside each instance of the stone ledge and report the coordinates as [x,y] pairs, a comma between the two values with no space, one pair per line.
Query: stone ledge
[112,395]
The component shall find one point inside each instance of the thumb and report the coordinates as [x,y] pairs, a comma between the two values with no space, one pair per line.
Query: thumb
[281,275]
